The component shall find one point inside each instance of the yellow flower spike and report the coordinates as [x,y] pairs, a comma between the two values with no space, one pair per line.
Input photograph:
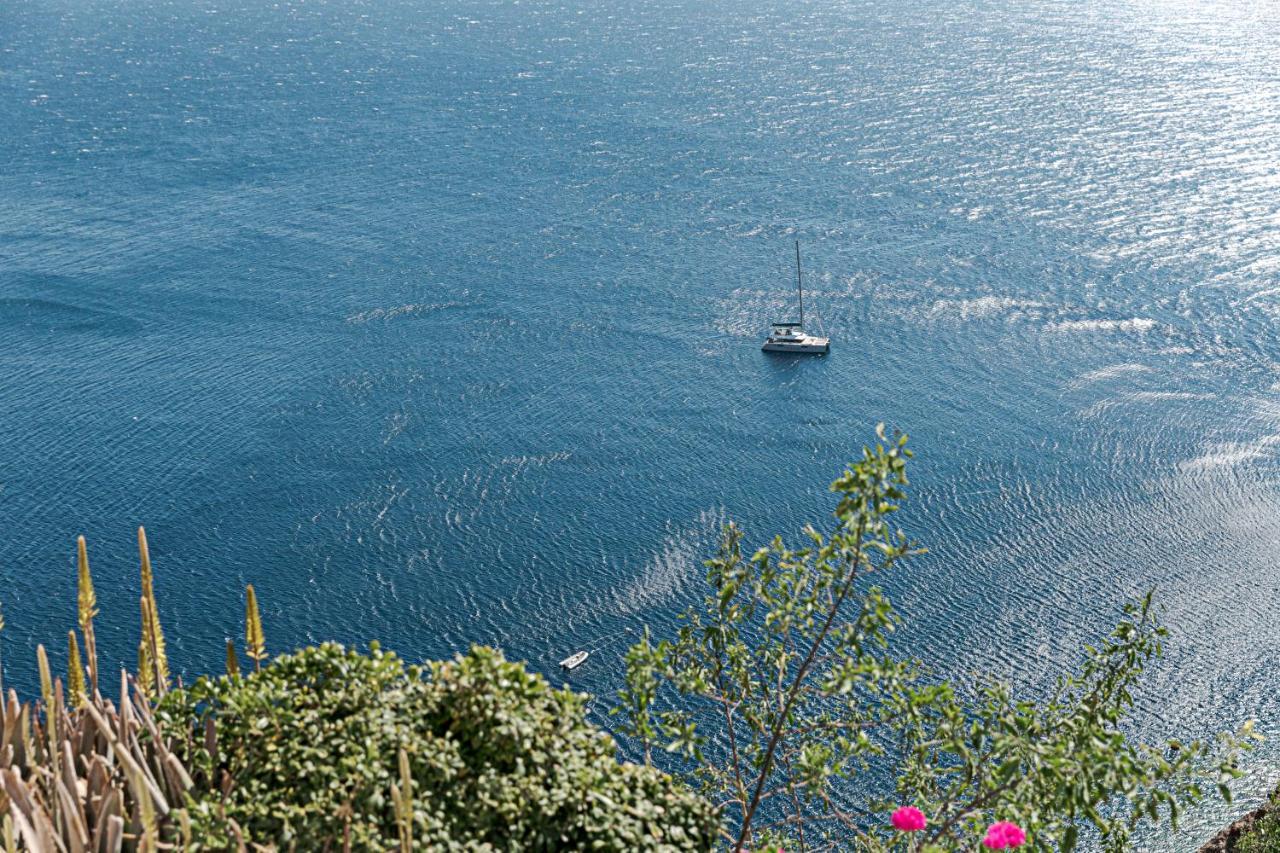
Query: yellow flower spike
[153,634]
[255,643]
[146,669]
[233,664]
[75,671]
[88,607]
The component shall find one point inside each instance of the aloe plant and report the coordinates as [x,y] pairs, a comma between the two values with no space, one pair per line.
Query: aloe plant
[85,779]
[93,774]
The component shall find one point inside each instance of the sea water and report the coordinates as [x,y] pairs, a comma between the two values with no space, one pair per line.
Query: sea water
[439,321]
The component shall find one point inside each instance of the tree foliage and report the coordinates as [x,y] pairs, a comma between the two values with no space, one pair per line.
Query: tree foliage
[780,699]
[782,684]
[308,754]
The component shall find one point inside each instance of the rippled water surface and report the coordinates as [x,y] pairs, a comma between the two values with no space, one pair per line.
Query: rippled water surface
[440,321]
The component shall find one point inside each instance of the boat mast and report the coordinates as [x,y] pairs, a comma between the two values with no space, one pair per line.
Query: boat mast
[799,288]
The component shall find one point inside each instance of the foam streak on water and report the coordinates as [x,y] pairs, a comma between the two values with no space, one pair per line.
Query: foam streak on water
[440,321]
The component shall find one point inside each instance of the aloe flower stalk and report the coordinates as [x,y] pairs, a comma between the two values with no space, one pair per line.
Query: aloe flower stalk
[152,634]
[88,602]
[233,664]
[255,643]
[75,671]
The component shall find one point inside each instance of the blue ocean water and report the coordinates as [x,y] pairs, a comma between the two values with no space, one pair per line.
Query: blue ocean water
[439,321]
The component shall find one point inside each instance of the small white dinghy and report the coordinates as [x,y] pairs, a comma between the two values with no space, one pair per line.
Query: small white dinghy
[575,660]
[791,337]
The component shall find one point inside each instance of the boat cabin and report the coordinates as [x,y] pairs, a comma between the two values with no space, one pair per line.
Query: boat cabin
[786,332]
[791,337]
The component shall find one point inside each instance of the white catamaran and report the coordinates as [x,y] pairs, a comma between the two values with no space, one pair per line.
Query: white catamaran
[791,337]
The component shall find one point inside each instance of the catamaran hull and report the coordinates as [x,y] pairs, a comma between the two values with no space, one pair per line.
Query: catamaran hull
[811,348]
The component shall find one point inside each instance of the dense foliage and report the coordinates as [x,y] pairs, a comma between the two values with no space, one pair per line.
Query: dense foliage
[782,683]
[1262,835]
[307,755]
[323,749]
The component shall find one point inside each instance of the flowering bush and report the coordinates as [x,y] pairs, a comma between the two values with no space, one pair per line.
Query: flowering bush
[786,664]
[1003,834]
[908,819]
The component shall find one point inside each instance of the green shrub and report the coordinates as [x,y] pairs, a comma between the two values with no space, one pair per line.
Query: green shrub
[1263,836]
[306,755]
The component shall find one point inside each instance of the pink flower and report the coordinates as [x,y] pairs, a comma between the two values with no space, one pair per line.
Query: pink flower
[908,819]
[1003,834]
